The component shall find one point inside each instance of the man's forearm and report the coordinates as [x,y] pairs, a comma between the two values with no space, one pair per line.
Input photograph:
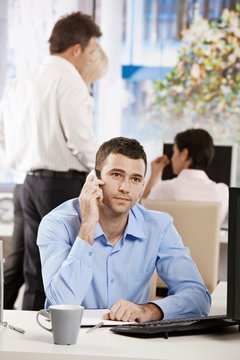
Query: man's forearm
[67,279]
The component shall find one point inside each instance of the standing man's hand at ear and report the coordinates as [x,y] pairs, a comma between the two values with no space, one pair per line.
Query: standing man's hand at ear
[157,167]
[89,199]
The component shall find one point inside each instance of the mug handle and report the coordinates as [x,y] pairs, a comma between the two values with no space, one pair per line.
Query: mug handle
[46,314]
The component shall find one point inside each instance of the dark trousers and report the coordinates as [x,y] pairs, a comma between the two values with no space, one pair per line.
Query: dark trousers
[13,268]
[40,195]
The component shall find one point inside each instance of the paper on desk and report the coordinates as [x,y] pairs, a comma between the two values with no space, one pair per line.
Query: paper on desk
[94,316]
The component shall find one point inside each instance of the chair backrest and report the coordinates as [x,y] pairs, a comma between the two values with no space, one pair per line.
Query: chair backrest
[198,223]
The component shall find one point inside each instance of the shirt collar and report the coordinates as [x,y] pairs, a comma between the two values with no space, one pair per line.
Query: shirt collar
[192,174]
[133,229]
[55,59]
[134,225]
[98,231]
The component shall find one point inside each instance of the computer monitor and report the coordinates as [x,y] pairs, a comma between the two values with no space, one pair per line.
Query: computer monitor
[233,278]
[223,167]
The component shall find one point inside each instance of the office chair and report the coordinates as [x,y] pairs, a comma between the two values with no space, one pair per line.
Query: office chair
[198,223]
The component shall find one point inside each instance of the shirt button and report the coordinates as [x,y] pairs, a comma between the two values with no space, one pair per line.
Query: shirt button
[112,281]
[90,253]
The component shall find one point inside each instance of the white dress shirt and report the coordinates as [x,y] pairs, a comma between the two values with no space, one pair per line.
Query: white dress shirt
[192,185]
[46,118]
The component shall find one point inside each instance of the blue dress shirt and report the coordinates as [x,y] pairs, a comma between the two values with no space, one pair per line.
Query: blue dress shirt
[98,275]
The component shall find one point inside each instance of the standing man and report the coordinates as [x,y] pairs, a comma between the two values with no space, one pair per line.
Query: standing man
[101,249]
[13,267]
[47,120]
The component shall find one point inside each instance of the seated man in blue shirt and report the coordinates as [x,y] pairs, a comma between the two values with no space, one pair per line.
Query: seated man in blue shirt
[101,249]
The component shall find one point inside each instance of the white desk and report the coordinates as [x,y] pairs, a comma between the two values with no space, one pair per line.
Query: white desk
[101,344]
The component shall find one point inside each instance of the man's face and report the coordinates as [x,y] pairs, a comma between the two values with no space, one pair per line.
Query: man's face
[84,57]
[124,181]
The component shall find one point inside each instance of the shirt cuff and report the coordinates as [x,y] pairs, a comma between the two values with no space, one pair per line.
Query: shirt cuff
[165,307]
[82,250]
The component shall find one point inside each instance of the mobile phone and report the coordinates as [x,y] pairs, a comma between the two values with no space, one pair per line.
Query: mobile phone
[95,173]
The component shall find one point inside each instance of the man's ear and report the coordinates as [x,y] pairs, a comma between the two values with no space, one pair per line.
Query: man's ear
[76,50]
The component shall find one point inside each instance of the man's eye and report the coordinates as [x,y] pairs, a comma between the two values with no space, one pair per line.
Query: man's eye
[136,180]
[116,175]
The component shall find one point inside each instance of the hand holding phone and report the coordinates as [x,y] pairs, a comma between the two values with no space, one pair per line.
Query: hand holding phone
[90,199]
[95,173]
[92,173]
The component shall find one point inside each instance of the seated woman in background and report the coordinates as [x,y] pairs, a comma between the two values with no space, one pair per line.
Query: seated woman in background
[193,150]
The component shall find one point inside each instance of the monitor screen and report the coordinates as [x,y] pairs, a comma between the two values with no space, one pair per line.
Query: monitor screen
[233,285]
[223,167]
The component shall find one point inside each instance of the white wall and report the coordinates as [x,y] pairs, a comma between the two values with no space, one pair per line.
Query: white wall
[109,108]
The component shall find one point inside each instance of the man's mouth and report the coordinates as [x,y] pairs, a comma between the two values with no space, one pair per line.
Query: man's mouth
[122,198]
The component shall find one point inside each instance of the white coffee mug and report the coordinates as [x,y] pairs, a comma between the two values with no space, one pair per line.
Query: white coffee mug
[66,321]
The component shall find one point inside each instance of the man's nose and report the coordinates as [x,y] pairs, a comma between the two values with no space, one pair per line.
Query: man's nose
[124,186]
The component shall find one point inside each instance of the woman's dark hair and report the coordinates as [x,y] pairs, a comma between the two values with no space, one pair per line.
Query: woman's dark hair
[76,28]
[200,147]
[120,145]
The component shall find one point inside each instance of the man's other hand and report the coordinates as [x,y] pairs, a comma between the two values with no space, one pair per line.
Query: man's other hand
[126,311]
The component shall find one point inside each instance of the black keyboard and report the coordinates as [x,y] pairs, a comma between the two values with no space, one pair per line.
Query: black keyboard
[165,328]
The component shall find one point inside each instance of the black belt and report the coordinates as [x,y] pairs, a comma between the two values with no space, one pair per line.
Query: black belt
[58,174]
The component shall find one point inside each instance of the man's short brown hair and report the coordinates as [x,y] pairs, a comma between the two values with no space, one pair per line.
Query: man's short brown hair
[130,148]
[76,28]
